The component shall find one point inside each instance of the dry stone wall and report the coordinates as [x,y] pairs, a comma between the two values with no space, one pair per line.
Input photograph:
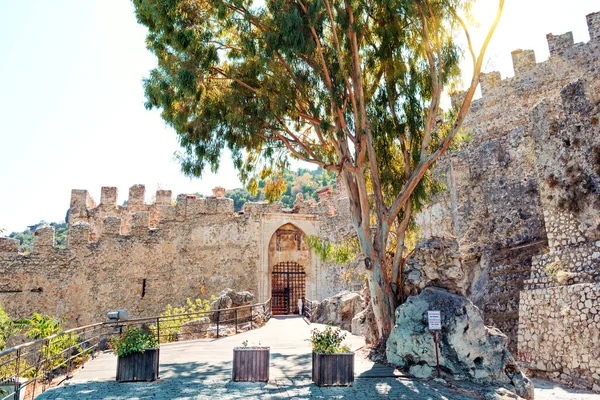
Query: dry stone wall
[496,202]
[142,257]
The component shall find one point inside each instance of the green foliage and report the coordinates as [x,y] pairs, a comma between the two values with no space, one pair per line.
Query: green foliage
[54,353]
[134,340]
[7,328]
[262,79]
[171,325]
[285,189]
[39,326]
[25,238]
[343,252]
[328,341]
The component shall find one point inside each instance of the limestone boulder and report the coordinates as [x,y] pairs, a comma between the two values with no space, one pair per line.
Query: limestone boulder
[467,348]
[339,309]
[435,262]
[229,298]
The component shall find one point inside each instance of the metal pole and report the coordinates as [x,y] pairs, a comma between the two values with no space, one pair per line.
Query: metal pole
[218,318]
[17,382]
[437,357]
[236,330]
[158,330]
[69,376]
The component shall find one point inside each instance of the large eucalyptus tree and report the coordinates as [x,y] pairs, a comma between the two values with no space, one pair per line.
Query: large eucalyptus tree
[353,86]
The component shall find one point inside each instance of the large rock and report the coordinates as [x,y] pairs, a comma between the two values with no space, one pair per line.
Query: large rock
[229,298]
[363,324]
[467,348]
[435,262]
[339,309]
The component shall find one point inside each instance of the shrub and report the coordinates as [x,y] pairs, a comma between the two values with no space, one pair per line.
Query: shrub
[169,327]
[328,341]
[134,340]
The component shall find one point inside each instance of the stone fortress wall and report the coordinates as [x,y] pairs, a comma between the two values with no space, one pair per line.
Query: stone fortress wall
[142,257]
[524,193]
[522,200]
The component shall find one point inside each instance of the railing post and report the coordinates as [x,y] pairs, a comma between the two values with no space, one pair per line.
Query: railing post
[218,318]
[17,381]
[158,330]
[69,376]
[236,321]
[251,317]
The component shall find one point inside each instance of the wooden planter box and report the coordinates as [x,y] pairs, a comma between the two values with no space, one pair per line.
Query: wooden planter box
[138,366]
[251,364]
[333,369]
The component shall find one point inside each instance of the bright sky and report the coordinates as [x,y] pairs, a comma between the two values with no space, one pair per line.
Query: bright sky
[71,99]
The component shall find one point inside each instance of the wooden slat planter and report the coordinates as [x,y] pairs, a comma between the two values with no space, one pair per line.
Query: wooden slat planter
[333,369]
[251,364]
[138,366]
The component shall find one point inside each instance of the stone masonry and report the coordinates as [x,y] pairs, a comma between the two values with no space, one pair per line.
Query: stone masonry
[142,257]
[525,180]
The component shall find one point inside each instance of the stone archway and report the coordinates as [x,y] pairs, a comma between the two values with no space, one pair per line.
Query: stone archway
[288,277]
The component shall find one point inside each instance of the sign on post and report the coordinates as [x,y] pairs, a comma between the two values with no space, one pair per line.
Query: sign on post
[435,320]
[435,324]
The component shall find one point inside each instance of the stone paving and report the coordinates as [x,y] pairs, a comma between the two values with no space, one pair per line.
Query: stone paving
[201,369]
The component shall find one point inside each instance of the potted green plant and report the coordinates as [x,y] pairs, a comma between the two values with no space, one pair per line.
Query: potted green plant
[251,363]
[332,362]
[137,353]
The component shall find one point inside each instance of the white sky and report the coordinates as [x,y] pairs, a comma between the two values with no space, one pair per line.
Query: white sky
[71,99]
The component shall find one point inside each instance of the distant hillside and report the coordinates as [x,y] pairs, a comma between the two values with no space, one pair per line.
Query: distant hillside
[304,181]
[26,237]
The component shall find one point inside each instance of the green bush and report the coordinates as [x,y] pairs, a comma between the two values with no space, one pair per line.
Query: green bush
[170,326]
[134,340]
[328,341]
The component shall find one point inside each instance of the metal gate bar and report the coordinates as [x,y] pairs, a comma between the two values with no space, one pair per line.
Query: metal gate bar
[289,285]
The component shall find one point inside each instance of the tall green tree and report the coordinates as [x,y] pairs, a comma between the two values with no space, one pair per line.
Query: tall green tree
[353,86]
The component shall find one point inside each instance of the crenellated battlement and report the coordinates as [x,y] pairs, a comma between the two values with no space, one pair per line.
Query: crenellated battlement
[533,81]
[135,217]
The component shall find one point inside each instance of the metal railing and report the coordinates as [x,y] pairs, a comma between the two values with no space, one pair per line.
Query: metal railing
[306,308]
[29,369]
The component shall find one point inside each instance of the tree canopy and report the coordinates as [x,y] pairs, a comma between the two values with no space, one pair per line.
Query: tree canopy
[353,86]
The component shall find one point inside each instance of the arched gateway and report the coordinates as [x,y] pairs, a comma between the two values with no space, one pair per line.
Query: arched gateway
[289,253]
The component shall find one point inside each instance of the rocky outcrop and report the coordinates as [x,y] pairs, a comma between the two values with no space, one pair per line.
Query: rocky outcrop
[338,310]
[435,262]
[229,298]
[467,348]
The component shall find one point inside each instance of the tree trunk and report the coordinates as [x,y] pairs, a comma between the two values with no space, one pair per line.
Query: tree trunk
[382,300]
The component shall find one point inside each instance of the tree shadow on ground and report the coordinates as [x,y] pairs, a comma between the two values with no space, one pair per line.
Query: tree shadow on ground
[200,380]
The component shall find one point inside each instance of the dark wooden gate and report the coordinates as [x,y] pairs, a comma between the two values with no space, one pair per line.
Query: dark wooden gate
[289,285]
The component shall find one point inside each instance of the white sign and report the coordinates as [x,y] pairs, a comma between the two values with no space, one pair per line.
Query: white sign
[435,320]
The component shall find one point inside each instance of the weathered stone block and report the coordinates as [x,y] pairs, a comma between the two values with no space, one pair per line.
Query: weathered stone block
[79,234]
[523,60]
[137,195]
[108,196]
[9,245]
[557,44]
[163,197]
[111,226]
